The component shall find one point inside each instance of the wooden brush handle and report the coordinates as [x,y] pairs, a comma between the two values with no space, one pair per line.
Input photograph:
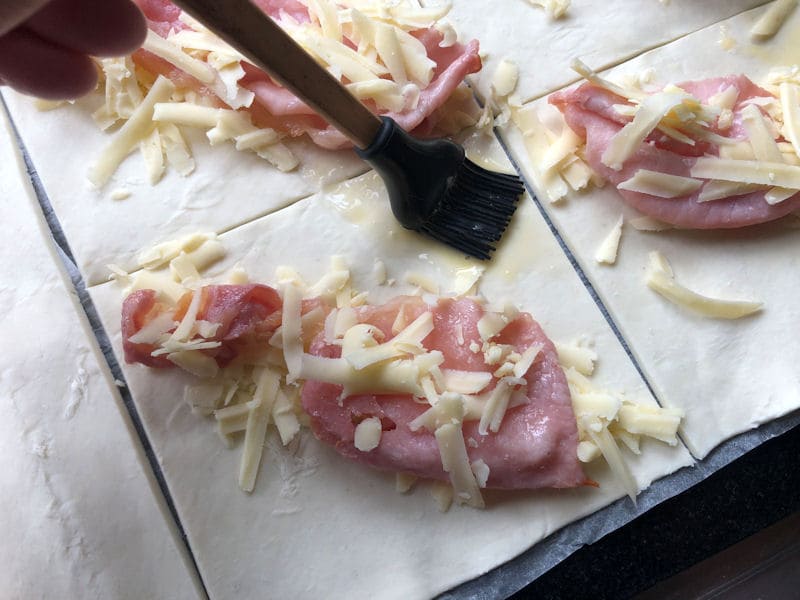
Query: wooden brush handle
[245,27]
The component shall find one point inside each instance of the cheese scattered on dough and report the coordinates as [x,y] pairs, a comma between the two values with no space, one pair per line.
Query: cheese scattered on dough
[603,439]
[725,41]
[790,103]
[771,21]
[481,471]
[256,430]
[284,417]
[606,253]
[291,330]
[659,423]
[443,494]
[576,356]
[466,280]
[648,224]
[555,9]
[404,482]
[422,281]
[661,279]
[456,464]
[505,77]
[605,418]
[135,129]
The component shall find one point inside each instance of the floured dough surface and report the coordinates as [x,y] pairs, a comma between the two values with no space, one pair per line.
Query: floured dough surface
[319,524]
[728,376]
[601,34]
[80,516]
[227,189]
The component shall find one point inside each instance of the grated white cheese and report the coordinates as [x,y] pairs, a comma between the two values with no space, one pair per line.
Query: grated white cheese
[721,190]
[505,77]
[748,171]
[649,114]
[195,362]
[662,185]
[606,253]
[404,482]
[139,125]
[465,382]
[555,9]
[456,464]
[761,139]
[660,278]
[481,471]
[771,21]
[284,417]
[579,357]
[368,434]
[256,430]
[659,423]
[292,329]
[601,437]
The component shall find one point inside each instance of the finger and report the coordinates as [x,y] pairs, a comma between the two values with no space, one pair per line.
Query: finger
[39,68]
[13,14]
[96,27]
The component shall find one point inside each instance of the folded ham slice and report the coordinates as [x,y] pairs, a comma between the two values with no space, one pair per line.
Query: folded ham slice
[277,108]
[588,110]
[536,445]
[247,316]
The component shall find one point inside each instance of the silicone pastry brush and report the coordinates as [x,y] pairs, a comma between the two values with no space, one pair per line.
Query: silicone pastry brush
[433,187]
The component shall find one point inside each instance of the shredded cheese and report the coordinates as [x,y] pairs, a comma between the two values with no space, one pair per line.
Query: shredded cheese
[291,326]
[606,253]
[761,139]
[771,21]
[748,171]
[456,464]
[368,434]
[256,430]
[660,279]
[659,184]
[650,112]
[135,128]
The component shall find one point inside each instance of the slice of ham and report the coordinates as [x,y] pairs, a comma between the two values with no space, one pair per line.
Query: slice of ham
[536,445]
[247,316]
[279,109]
[588,111]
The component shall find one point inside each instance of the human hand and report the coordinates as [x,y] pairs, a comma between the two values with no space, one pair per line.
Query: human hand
[45,45]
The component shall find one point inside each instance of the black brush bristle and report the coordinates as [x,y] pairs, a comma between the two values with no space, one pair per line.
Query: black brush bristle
[435,190]
[475,210]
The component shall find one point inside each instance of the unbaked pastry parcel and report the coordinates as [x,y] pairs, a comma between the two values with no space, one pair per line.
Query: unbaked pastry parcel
[327,391]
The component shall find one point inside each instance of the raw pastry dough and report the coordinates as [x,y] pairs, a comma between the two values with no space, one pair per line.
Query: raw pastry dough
[227,189]
[600,33]
[81,514]
[728,376]
[341,525]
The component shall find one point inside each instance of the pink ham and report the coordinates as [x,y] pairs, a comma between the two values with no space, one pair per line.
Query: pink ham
[277,108]
[138,310]
[536,446]
[247,315]
[588,112]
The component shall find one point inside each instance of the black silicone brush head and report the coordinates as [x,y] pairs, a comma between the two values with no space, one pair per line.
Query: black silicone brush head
[435,190]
